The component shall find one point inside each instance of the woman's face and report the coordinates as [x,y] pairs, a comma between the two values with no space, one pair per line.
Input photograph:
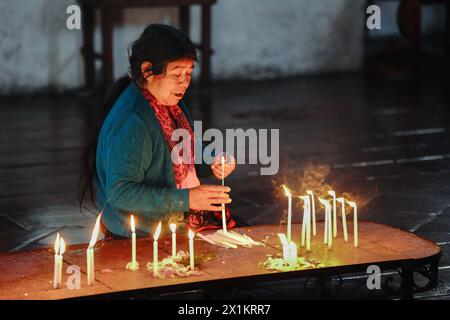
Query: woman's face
[170,87]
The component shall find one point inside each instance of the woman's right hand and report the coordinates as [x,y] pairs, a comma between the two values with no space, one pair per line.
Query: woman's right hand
[208,197]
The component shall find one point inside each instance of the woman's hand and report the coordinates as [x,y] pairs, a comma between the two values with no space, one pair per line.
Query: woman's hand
[230,165]
[208,197]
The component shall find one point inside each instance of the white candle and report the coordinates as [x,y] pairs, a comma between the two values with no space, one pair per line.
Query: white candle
[155,249]
[292,255]
[306,224]
[133,239]
[355,223]
[344,218]
[60,247]
[289,195]
[90,266]
[285,246]
[191,249]
[133,265]
[90,252]
[328,237]
[224,218]
[313,211]
[173,227]
[333,194]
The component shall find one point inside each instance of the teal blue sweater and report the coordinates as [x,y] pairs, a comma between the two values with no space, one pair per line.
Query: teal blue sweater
[134,167]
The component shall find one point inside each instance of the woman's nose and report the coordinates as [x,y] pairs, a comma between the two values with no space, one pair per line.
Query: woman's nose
[185,80]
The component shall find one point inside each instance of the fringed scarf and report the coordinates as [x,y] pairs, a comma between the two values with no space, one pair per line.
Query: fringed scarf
[165,114]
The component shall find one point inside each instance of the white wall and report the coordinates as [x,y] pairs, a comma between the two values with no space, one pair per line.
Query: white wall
[252,39]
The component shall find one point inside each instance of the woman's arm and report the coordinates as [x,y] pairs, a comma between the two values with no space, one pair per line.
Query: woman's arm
[127,166]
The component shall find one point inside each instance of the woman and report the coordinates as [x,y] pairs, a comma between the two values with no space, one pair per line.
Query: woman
[130,159]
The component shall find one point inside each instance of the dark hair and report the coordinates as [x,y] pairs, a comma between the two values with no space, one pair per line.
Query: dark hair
[158,44]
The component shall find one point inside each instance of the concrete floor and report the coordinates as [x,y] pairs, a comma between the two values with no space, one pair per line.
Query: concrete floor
[384,141]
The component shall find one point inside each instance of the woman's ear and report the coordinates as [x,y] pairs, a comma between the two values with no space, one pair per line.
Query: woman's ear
[146,69]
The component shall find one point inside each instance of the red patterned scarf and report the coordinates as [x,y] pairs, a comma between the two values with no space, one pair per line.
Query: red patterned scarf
[164,114]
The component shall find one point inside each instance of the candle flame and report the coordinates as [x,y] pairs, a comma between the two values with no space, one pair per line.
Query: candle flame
[157,232]
[191,234]
[283,239]
[57,243]
[341,200]
[332,193]
[325,203]
[133,228]
[351,204]
[62,247]
[95,232]
[287,192]
[223,160]
[304,198]
[310,192]
[173,227]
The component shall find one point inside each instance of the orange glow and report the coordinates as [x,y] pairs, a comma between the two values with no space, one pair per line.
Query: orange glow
[173,227]
[133,229]
[157,232]
[191,234]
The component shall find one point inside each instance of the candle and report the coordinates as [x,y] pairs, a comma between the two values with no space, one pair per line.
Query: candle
[306,225]
[90,252]
[344,218]
[292,255]
[313,211]
[191,249]
[60,247]
[173,227]
[289,195]
[285,245]
[155,249]
[224,218]
[133,265]
[328,237]
[333,194]
[355,223]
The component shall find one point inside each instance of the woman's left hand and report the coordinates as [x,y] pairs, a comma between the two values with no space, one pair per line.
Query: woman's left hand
[230,165]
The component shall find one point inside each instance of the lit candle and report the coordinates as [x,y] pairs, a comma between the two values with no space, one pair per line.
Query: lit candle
[133,265]
[173,227]
[289,195]
[292,255]
[60,247]
[355,223]
[328,237]
[90,252]
[306,225]
[155,249]
[333,194]
[191,249]
[224,218]
[285,245]
[344,218]
[313,211]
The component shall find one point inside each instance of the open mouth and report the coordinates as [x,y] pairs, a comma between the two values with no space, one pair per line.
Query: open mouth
[178,95]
